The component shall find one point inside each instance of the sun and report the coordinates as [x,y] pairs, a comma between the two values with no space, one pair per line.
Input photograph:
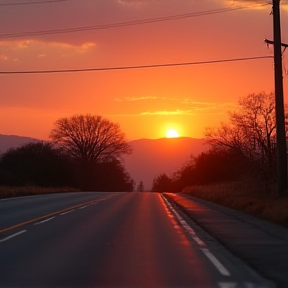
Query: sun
[172,133]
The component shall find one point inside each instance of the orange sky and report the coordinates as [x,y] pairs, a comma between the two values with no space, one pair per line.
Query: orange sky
[145,102]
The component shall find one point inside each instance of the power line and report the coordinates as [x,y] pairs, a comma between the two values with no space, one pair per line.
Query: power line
[135,67]
[127,23]
[32,3]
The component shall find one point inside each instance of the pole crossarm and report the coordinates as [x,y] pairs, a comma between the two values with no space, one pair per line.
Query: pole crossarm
[267,41]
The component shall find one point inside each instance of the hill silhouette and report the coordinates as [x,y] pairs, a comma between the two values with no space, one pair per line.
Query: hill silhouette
[13,141]
[151,157]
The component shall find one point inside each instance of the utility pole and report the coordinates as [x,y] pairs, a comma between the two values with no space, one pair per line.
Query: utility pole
[279,101]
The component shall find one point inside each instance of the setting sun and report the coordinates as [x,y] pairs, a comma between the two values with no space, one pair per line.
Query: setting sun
[172,133]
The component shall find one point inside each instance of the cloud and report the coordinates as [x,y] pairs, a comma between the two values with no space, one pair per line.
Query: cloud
[198,105]
[144,98]
[199,108]
[148,113]
[254,3]
[243,2]
[133,3]
[185,106]
[191,102]
[196,108]
[3,58]
[17,49]
[131,99]
[175,112]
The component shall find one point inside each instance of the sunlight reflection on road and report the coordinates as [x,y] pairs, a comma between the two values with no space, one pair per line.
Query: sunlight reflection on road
[179,229]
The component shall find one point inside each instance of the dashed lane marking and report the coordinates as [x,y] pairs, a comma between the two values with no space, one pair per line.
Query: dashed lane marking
[12,236]
[67,212]
[56,213]
[46,220]
[229,285]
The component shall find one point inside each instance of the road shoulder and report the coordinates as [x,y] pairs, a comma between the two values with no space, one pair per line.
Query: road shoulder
[260,244]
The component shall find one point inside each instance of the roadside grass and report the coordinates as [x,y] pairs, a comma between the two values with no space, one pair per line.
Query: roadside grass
[9,191]
[247,197]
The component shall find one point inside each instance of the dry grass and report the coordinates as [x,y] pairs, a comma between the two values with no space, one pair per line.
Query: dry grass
[245,196]
[7,191]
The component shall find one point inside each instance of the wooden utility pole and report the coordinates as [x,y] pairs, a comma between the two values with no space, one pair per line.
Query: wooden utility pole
[279,101]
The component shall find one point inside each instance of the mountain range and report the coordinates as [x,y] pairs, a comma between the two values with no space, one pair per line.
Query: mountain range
[13,141]
[152,157]
[149,159]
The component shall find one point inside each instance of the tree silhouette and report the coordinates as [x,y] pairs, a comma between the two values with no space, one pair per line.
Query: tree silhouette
[250,132]
[215,165]
[162,183]
[90,138]
[35,164]
[111,176]
[218,165]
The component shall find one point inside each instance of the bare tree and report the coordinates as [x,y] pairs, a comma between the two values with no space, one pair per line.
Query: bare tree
[250,131]
[252,128]
[90,138]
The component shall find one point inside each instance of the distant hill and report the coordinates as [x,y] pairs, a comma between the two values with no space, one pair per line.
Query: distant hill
[151,157]
[9,141]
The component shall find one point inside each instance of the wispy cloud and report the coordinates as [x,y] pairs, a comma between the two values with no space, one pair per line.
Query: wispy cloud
[3,58]
[175,112]
[244,1]
[10,50]
[189,101]
[133,3]
[193,108]
[254,3]
[201,106]
[181,106]
[132,99]
[144,98]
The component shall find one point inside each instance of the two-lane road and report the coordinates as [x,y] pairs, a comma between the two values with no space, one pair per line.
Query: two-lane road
[108,240]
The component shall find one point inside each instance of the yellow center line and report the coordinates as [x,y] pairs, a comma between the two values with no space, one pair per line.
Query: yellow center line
[53,213]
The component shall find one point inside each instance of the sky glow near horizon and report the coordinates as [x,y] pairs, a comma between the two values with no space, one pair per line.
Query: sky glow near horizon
[145,102]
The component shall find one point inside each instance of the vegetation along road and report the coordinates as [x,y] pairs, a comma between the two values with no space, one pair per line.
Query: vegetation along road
[111,240]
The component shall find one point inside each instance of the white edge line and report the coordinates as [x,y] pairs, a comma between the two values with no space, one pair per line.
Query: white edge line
[208,254]
[46,220]
[216,262]
[83,207]
[185,225]
[12,236]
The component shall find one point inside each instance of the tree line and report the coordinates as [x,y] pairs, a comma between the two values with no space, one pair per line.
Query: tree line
[245,146]
[84,153]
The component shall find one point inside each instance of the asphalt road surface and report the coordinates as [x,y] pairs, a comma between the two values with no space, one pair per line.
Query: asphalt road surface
[109,240]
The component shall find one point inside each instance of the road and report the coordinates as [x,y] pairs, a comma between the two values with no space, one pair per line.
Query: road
[108,240]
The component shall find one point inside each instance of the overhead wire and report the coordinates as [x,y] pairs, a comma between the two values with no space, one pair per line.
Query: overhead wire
[135,67]
[126,23]
[123,24]
[32,3]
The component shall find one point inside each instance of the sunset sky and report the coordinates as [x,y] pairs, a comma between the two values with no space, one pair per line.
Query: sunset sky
[145,102]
